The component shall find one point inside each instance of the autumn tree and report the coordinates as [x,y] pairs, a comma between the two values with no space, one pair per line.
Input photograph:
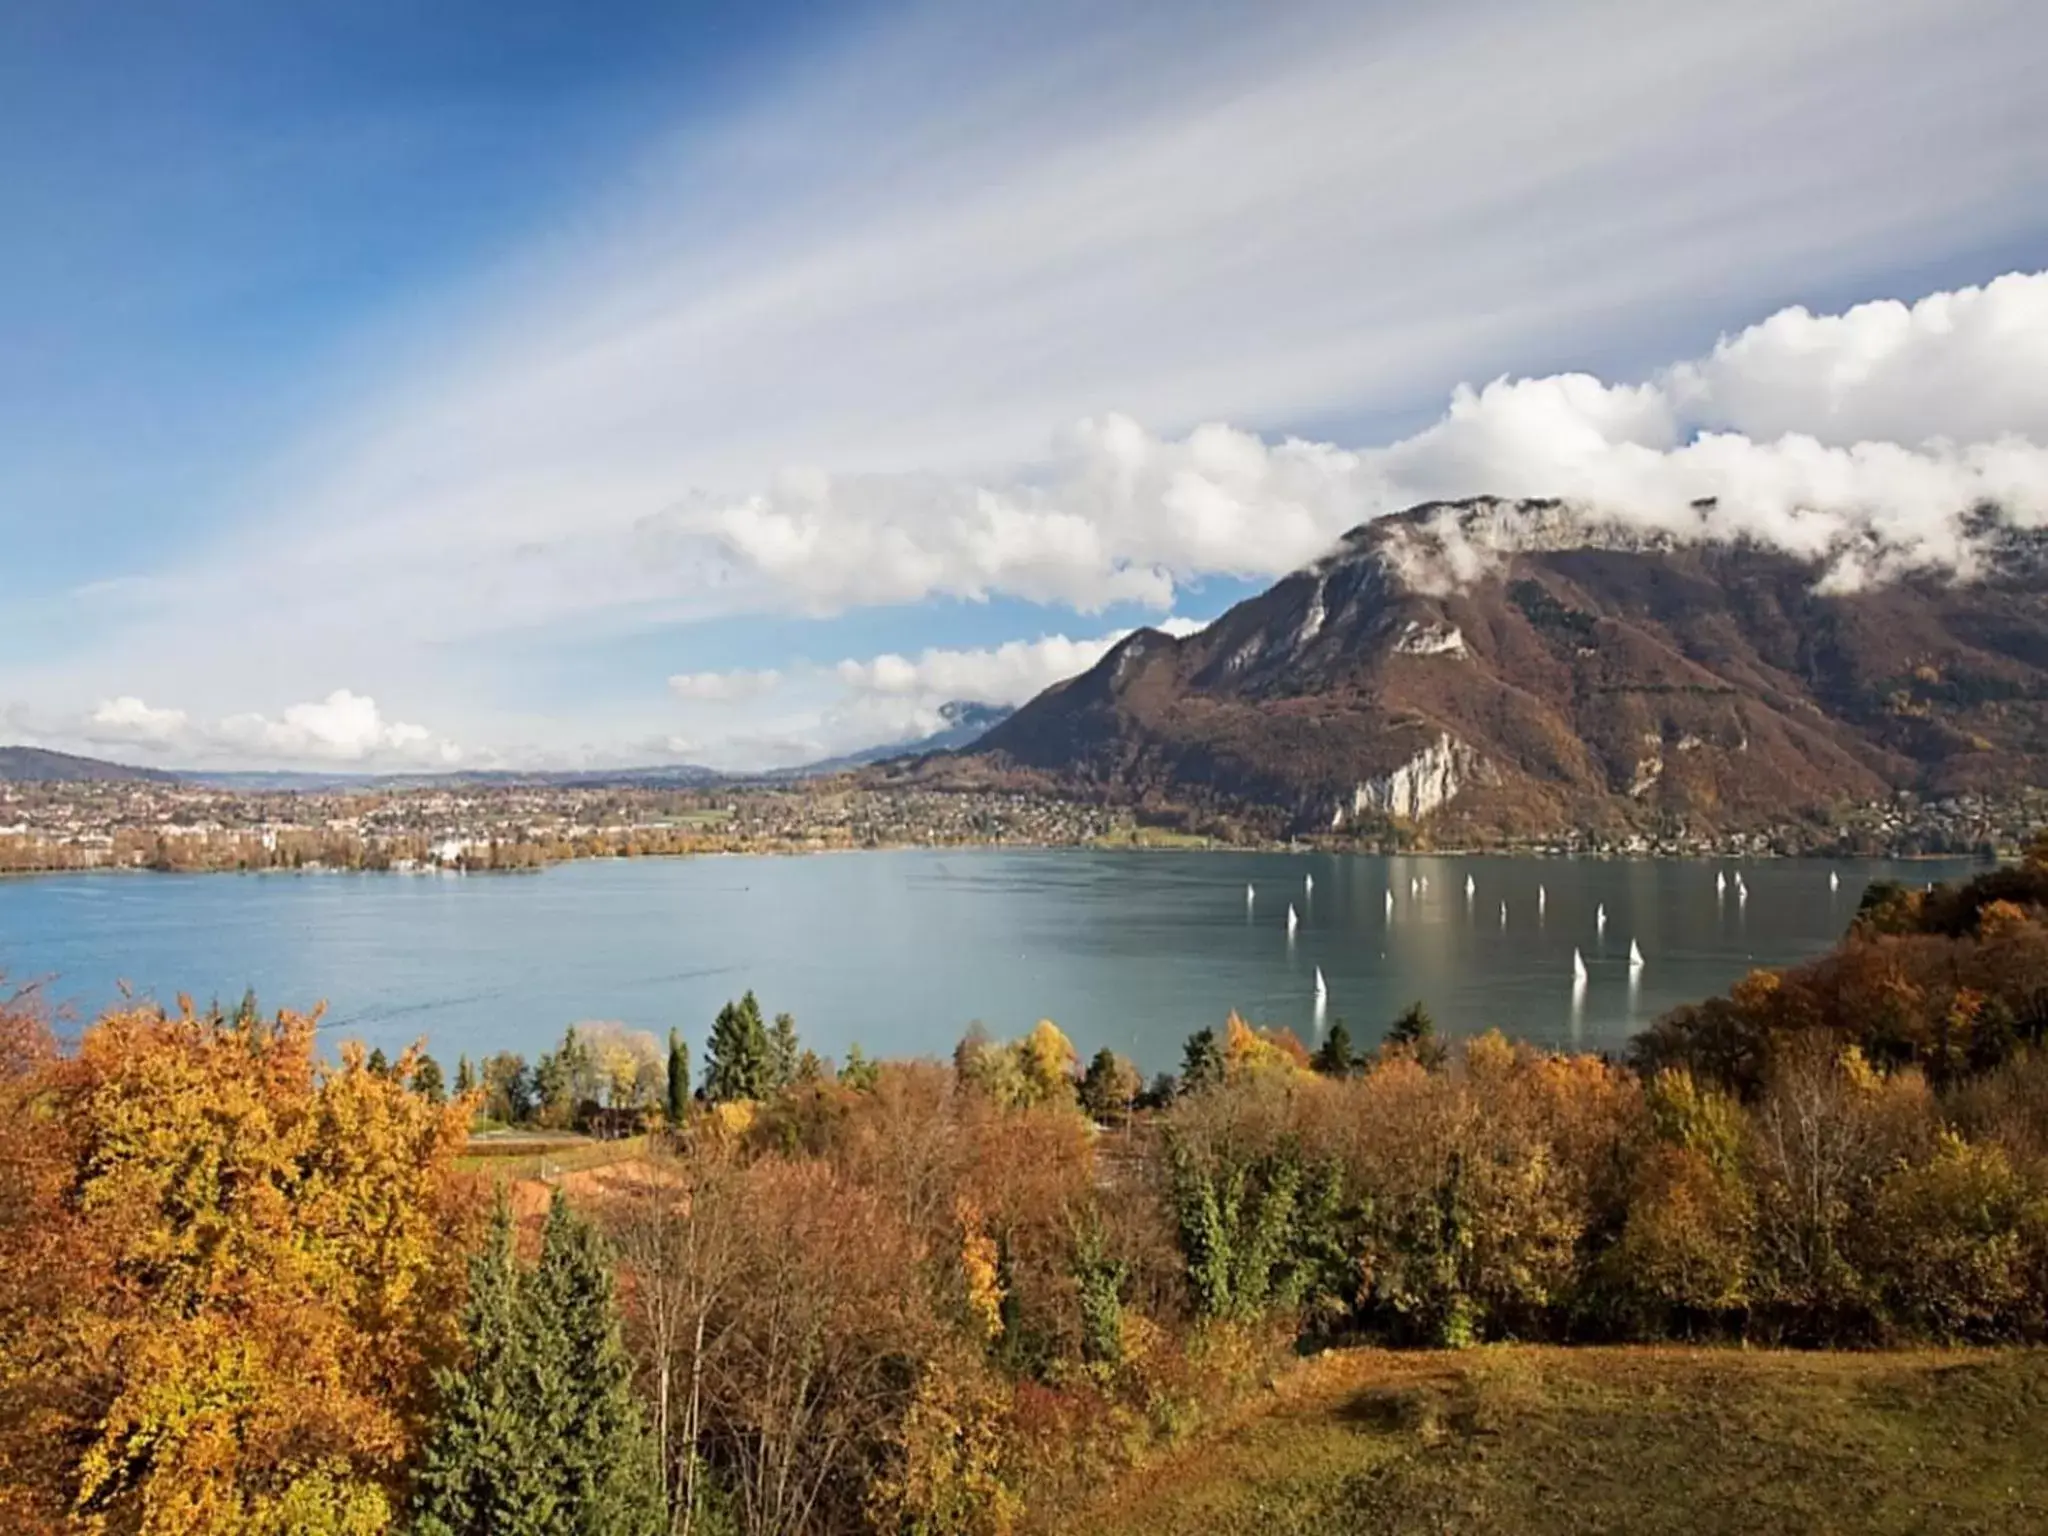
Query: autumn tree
[259,1259]
[1110,1086]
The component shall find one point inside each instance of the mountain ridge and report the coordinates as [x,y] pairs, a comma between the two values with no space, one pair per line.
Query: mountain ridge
[1514,668]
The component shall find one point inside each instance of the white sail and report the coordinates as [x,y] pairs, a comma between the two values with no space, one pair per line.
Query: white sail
[1635,956]
[1414,886]
[1741,889]
[1248,895]
[1322,988]
[1291,920]
[1471,887]
[1600,918]
[1503,914]
[1578,966]
[1390,901]
[1834,881]
[1308,885]
[1720,882]
[1542,898]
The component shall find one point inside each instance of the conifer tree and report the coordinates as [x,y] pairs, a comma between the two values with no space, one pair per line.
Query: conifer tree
[379,1063]
[1333,1057]
[736,1058]
[783,1052]
[482,1473]
[1202,1063]
[594,1449]
[465,1076]
[539,1434]
[428,1082]
[678,1078]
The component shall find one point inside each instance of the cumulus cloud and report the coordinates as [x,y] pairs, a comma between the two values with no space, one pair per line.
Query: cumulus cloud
[344,727]
[723,687]
[1868,438]
[129,720]
[1004,674]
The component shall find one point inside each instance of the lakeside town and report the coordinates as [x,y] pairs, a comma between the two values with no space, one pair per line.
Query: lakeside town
[176,826]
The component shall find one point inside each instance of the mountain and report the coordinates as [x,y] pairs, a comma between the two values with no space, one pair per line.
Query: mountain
[966,723]
[26,764]
[1495,667]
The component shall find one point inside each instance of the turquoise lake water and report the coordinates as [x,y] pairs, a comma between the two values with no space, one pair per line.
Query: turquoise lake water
[901,950]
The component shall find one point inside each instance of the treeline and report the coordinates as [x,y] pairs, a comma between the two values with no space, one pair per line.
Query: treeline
[244,1291]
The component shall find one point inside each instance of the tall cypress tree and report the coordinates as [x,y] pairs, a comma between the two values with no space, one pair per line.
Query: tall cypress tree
[465,1076]
[736,1058]
[783,1051]
[678,1078]
[595,1450]
[481,1473]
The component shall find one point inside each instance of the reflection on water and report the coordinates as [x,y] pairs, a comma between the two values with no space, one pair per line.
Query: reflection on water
[901,950]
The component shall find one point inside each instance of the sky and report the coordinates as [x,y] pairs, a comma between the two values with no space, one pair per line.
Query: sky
[386,386]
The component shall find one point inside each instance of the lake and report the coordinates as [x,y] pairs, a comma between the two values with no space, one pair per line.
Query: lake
[901,950]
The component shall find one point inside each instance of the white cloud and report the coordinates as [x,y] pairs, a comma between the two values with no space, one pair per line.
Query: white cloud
[1120,514]
[343,728]
[129,720]
[723,687]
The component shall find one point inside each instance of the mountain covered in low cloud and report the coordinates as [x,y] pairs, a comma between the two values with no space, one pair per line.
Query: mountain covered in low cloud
[1490,666]
[966,722]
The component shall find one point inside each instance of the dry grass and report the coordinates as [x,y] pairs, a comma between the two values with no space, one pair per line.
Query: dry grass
[1529,1441]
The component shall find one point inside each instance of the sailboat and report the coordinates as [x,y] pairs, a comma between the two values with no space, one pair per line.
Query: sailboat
[1390,901]
[1308,885]
[1292,920]
[1834,881]
[1635,956]
[1542,898]
[1322,988]
[1249,898]
[1741,890]
[1471,887]
[1503,914]
[1414,886]
[1578,967]
[1720,882]
[1600,918]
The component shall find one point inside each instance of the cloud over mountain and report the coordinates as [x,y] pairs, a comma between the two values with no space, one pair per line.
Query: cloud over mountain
[1871,436]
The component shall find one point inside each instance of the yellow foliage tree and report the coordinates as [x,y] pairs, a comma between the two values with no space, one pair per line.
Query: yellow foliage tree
[264,1259]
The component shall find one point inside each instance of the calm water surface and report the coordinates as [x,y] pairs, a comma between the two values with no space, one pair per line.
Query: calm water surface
[900,950]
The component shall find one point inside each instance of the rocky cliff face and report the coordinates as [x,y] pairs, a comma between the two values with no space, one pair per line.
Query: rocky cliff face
[1519,667]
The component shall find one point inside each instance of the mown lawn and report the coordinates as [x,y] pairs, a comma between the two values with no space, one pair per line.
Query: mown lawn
[1527,1441]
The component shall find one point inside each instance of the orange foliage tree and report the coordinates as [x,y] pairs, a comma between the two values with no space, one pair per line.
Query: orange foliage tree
[229,1271]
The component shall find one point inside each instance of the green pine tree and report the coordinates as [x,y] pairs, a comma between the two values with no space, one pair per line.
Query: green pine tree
[481,1473]
[736,1058]
[594,1448]
[1202,1063]
[1333,1057]
[379,1063]
[783,1052]
[539,1435]
[428,1082]
[678,1078]
[465,1076]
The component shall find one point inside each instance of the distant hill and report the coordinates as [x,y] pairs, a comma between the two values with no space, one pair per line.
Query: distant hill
[20,765]
[966,723]
[1518,667]
[676,776]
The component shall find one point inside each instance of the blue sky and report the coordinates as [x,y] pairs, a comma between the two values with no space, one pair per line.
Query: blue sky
[385,383]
